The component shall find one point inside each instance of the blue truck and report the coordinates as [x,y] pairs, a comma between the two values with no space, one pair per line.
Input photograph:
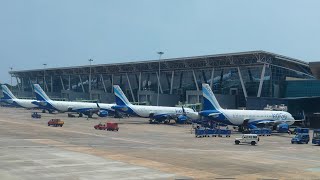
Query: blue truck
[316,137]
[300,138]
[212,132]
[261,131]
[299,130]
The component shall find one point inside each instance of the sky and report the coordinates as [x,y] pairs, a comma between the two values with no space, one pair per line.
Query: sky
[64,33]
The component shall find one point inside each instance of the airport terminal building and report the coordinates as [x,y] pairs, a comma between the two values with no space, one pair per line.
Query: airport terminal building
[242,75]
[249,80]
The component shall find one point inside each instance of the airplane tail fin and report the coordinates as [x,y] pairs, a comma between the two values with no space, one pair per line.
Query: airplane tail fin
[40,94]
[210,102]
[7,94]
[121,98]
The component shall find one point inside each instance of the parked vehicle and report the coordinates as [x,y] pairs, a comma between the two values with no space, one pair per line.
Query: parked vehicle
[247,138]
[261,131]
[35,115]
[299,130]
[316,136]
[100,126]
[55,122]
[109,126]
[300,138]
[71,115]
[112,126]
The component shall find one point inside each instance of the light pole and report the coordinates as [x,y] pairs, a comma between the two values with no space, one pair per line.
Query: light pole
[160,54]
[44,76]
[90,61]
[11,78]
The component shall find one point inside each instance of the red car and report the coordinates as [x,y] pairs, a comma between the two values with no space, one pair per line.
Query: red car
[55,122]
[109,126]
[100,126]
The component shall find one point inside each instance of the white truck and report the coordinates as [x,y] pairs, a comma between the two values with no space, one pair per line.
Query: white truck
[247,138]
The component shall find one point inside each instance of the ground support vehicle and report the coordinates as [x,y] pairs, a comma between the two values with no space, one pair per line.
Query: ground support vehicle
[55,122]
[224,132]
[200,132]
[35,115]
[248,139]
[300,138]
[71,115]
[112,126]
[299,130]
[212,132]
[316,136]
[261,131]
[100,126]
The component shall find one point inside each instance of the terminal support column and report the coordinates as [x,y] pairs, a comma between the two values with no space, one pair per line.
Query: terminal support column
[111,83]
[212,75]
[134,99]
[159,83]
[171,83]
[242,84]
[69,83]
[22,85]
[62,83]
[30,84]
[196,82]
[104,86]
[139,86]
[81,83]
[18,83]
[261,80]
[51,83]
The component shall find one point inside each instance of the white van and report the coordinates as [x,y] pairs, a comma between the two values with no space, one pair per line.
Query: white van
[247,138]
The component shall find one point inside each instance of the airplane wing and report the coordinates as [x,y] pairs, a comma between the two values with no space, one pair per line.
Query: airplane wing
[214,115]
[162,116]
[268,122]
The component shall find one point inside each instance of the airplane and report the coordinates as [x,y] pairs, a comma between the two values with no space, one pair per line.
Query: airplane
[88,109]
[10,99]
[157,114]
[212,110]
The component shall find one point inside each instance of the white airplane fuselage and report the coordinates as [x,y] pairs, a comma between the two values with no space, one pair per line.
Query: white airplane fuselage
[65,106]
[145,111]
[237,117]
[25,103]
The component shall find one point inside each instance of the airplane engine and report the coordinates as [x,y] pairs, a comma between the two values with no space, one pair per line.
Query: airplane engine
[283,128]
[182,119]
[103,113]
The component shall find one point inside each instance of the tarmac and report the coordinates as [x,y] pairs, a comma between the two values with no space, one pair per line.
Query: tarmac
[29,149]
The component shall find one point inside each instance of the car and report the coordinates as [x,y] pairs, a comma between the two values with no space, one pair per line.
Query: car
[300,138]
[248,139]
[100,126]
[55,122]
[71,115]
[35,115]
[109,126]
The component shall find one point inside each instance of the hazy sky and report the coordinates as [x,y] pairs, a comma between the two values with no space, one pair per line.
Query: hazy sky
[69,32]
